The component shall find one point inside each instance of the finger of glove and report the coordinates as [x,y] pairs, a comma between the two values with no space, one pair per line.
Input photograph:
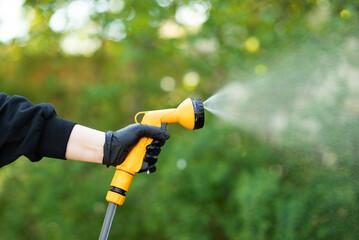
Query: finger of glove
[153,149]
[152,132]
[152,169]
[147,168]
[151,158]
[158,143]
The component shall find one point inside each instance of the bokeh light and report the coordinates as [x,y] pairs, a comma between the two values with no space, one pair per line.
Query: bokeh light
[164,3]
[13,22]
[77,44]
[181,164]
[260,69]
[191,80]
[168,83]
[345,14]
[193,13]
[73,16]
[116,30]
[252,44]
[170,29]
[207,46]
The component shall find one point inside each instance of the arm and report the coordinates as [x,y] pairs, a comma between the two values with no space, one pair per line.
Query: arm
[85,144]
[31,130]
[111,148]
[36,132]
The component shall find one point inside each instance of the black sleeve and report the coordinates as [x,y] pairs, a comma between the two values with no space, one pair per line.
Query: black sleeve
[31,130]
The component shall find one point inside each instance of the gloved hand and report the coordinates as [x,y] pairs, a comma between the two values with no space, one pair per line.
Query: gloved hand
[118,144]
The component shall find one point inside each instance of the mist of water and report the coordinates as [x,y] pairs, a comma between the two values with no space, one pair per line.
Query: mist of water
[308,97]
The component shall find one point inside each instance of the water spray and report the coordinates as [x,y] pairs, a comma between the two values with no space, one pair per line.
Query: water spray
[189,114]
[308,99]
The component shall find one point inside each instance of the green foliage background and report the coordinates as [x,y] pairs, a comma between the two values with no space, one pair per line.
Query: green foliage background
[235,186]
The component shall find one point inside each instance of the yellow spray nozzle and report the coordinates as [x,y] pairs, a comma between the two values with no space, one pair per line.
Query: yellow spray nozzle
[189,114]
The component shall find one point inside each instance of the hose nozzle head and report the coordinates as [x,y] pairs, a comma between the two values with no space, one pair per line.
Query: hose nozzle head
[198,113]
[191,114]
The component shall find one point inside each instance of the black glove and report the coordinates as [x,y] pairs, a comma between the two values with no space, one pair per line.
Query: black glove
[151,157]
[152,152]
[119,144]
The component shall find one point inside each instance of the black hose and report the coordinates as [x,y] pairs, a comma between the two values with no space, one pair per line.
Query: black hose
[106,227]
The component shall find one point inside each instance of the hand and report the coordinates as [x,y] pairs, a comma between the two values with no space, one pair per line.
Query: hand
[119,144]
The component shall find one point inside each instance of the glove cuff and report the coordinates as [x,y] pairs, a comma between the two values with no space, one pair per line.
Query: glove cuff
[107,149]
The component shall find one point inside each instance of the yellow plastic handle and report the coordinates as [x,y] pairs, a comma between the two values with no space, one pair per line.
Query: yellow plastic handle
[132,164]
